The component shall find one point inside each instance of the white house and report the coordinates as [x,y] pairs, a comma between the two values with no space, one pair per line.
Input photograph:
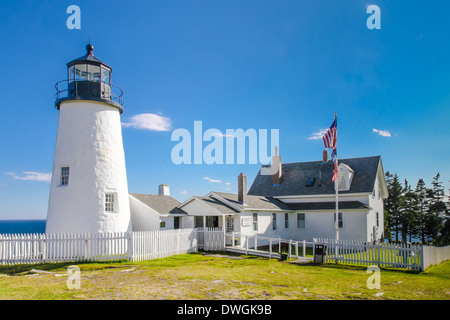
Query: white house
[298,202]
[157,212]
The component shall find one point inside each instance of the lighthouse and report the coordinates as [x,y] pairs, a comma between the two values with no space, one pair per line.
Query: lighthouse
[89,190]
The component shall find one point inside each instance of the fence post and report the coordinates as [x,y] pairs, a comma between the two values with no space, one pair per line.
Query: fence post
[270,248]
[289,251]
[246,244]
[130,246]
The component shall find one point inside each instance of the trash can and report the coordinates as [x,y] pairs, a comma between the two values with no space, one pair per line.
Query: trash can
[320,253]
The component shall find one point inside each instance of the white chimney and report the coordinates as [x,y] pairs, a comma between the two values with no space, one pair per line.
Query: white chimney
[163,190]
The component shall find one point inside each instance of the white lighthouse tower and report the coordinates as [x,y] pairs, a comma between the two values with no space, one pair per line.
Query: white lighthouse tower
[89,191]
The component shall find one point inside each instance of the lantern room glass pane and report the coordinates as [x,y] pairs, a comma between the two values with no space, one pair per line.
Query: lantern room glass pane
[106,76]
[80,72]
[93,73]
[71,74]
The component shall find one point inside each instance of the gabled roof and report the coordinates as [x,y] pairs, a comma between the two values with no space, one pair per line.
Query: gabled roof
[295,175]
[253,202]
[161,204]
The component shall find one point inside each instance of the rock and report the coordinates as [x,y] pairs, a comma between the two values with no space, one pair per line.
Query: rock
[40,271]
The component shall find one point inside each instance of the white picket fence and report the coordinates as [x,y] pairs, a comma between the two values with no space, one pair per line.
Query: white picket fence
[147,245]
[403,256]
[131,246]
[210,239]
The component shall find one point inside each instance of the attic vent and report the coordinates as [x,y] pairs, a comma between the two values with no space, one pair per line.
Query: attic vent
[310,182]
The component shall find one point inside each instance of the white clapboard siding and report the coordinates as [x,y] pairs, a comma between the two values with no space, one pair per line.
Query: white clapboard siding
[403,256]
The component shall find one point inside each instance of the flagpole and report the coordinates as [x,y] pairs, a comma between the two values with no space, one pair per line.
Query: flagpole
[336,187]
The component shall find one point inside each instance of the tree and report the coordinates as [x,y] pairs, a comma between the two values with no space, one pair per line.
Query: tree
[421,192]
[408,212]
[437,210]
[393,204]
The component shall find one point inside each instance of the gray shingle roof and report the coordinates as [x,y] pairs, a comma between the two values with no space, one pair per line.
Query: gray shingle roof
[162,204]
[295,175]
[254,202]
[216,204]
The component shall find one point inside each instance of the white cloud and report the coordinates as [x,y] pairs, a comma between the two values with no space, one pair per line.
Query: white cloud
[318,135]
[149,121]
[32,176]
[383,133]
[212,180]
[228,183]
[184,192]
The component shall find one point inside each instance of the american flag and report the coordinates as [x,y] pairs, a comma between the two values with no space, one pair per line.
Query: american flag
[336,172]
[330,137]
[330,141]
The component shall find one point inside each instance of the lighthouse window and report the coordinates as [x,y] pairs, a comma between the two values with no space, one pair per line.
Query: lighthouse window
[93,73]
[71,74]
[64,176]
[109,202]
[105,76]
[80,72]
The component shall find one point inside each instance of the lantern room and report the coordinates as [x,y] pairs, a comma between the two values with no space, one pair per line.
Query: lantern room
[88,78]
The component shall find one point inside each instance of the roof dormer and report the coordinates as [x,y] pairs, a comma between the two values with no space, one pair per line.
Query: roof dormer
[345,177]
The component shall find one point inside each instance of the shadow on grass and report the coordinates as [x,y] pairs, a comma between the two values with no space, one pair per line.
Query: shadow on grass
[22,269]
[351,267]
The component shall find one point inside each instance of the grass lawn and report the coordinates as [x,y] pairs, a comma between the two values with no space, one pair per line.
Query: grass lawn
[217,276]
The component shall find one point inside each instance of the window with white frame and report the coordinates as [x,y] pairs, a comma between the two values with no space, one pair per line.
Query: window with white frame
[230,224]
[110,202]
[340,220]
[300,220]
[274,221]
[64,181]
[286,220]
[255,222]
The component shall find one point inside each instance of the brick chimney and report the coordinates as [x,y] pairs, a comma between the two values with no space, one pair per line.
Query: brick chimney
[276,168]
[163,190]
[242,188]
[325,155]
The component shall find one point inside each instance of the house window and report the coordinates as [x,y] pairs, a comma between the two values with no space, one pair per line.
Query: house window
[64,176]
[162,224]
[230,224]
[274,221]
[373,194]
[340,221]
[378,219]
[300,220]
[109,202]
[310,182]
[286,220]
[379,194]
[255,222]
[198,221]
[176,222]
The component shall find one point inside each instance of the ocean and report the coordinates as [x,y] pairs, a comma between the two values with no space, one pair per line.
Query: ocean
[22,226]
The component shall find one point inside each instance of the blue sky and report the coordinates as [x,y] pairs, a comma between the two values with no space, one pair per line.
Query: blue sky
[286,65]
